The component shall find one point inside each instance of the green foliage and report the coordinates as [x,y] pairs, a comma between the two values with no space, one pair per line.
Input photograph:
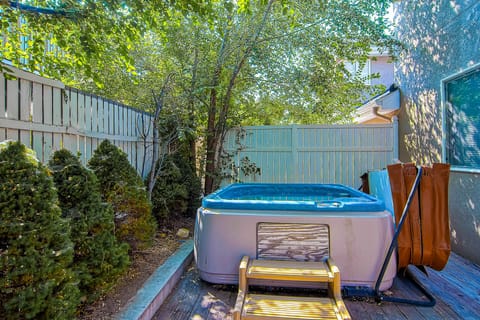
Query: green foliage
[123,188]
[248,64]
[73,40]
[177,189]
[99,258]
[36,281]
[232,167]
[170,194]
[238,62]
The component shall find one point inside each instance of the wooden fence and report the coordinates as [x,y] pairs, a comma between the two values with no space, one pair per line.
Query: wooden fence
[313,153]
[46,116]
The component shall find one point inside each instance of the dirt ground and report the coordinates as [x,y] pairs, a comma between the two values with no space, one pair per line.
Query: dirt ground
[143,265]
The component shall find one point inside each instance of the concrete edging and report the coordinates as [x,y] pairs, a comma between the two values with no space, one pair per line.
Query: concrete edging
[156,289]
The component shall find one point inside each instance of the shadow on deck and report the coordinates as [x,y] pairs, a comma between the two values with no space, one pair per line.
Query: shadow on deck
[456,289]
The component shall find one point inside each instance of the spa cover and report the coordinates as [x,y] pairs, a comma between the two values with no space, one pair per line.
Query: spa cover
[425,236]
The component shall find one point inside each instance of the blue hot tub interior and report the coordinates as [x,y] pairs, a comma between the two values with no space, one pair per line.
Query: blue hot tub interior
[301,197]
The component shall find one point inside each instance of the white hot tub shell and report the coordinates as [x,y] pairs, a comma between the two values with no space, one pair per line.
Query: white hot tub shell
[294,222]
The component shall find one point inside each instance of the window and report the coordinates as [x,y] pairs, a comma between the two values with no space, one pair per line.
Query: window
[461,98]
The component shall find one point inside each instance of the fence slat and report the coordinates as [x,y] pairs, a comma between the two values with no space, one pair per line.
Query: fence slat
[25,99]
[57,118]
[48,114]
[94,114]
[81,111]
[12,111]
[37,117]
[2,96]
[74,109]
[111,117]
[3,131]
[25,104]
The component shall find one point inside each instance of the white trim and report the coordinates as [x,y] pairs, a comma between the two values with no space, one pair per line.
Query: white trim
[21,74]
[464,170]
[443,110]
[443,106]
[53,129]
[461,73]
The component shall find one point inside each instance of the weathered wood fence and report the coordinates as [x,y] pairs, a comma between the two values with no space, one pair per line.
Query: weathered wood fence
[46,116]
[312,153]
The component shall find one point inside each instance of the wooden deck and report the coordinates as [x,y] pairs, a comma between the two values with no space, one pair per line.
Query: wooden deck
[456,289]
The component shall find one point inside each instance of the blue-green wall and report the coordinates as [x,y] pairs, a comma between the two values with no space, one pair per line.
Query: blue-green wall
[441,38]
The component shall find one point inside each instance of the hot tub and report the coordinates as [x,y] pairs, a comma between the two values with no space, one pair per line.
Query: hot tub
[302,222]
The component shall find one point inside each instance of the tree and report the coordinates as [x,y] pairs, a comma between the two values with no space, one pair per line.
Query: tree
[73,40]
[123,188]
[244,62]
[267,62]
[293,60]
[177,190]
[36,279]
[99,259]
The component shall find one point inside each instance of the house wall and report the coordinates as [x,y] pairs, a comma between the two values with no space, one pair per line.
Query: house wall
[377,63]
[441,38]
[384,67]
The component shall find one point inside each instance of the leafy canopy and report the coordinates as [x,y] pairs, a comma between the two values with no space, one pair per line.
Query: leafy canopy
[65,39]
[294,73]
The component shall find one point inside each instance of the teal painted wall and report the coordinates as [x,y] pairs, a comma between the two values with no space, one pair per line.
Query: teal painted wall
[441,38]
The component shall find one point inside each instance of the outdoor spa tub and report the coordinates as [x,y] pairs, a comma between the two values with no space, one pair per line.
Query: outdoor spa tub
[302,222]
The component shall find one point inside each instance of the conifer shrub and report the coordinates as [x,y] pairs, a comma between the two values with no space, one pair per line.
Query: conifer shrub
[36,281]
[99,258]
[123,188]
[177,189]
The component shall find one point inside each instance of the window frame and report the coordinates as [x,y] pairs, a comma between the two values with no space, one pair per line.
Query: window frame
[443,100]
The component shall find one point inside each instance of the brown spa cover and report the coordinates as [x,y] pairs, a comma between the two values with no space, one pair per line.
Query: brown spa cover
[425,237]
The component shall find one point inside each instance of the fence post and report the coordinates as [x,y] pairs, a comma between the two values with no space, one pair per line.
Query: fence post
[294,152]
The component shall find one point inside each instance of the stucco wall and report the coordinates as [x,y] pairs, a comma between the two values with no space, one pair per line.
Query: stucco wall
[441,38]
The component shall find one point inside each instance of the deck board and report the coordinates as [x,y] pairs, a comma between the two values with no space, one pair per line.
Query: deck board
[456,289]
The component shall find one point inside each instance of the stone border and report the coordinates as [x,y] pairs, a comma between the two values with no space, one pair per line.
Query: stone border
[156,289]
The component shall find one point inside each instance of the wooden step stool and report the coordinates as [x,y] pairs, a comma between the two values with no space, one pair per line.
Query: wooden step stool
[267,306]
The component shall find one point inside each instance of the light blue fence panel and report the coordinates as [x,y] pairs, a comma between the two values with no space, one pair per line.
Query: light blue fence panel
[311,154]
[46,116]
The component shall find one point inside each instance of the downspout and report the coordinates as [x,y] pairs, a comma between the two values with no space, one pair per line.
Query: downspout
[394,120]
[395,139]
[375,112]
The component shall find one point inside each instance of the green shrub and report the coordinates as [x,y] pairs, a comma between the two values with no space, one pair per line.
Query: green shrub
[177,189]
[193,183]
[123,188]
[35,249]
[99,258]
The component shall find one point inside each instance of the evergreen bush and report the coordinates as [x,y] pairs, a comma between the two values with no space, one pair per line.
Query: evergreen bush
[177,189]
[36,281]
[99,258]
[123,188]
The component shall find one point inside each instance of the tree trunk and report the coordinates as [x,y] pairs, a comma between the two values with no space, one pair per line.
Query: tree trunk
[211,137]
[216,128]
[210,159]
[191,103]
[155,168]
